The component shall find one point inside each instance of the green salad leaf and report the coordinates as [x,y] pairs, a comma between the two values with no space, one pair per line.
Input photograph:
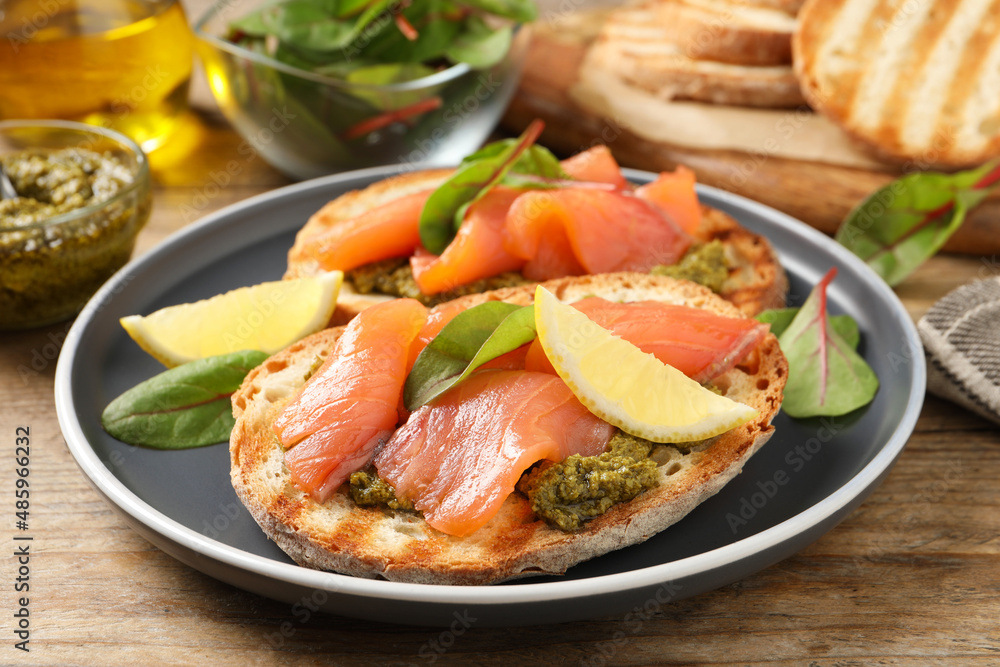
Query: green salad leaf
[779,319]
[826,376]
[381,75]
[902,224]
[309,26]
[373,44]
[329,36]
[184,407]
[435,31]
[522,11]
[444,210]
[479,45]
[535,161]
[473,338]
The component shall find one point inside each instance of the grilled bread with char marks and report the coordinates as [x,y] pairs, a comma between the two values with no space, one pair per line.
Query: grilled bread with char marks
[399,546]
[913,82]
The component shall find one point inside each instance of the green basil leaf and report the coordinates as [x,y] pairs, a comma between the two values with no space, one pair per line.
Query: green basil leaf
[902,224]
[825,375]
[473,338]
[442,213]
[479,45]
[186,406]
[779,319]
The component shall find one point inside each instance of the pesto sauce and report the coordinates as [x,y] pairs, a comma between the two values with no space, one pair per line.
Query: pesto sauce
[367,489]
[395,278]
[704,264]
[567,494]
[48,271]
[50,183]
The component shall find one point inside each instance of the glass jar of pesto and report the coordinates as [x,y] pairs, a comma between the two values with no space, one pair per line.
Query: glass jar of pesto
[83,195]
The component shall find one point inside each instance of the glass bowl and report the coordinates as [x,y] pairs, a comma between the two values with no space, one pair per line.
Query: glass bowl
[309,125]
[50,268]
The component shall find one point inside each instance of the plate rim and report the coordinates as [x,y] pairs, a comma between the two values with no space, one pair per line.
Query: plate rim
[512,593]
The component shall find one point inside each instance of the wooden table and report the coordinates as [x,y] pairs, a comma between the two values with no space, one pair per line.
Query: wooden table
[912,577]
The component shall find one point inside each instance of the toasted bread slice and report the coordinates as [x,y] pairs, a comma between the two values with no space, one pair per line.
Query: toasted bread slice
[913,82]
[756,281]
[639,48]
[399,546]
[788,6]
[729,31]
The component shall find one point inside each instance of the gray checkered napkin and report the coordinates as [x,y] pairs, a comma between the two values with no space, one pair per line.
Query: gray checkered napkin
[961,336]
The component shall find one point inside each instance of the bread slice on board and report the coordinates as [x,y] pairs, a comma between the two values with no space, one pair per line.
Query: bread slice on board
[914,82]
[399,546]
[756,279]
[635,44]
[788,6]
[730,31]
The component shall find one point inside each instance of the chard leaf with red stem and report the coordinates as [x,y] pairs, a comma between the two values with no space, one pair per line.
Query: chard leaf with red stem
[902,224]
[442,214]
[826,377]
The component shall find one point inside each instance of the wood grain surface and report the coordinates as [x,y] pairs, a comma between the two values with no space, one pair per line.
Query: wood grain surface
[910,578]
[820,194]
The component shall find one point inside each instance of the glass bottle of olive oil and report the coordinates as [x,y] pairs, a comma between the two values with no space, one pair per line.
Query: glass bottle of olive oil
[123,64]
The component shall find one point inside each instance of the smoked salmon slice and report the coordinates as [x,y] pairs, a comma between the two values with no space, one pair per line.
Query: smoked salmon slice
[335,422]
[476,252]
[595,165]
[541,238]
[674,194]
[458,457]
[700,344]
[606,232]
[389,230]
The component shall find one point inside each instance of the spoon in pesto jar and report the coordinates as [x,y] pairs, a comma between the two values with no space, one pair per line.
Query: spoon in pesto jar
[7,190]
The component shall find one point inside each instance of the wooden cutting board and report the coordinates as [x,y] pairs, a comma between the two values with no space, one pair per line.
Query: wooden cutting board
[816,193]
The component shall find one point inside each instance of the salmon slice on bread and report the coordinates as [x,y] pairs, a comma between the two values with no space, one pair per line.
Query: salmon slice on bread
[755,282]
[915,83]
[399,545]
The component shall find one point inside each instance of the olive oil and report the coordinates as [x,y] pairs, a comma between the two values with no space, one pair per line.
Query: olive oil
[122,64]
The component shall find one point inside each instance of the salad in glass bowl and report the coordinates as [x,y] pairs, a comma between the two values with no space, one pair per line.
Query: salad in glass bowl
[319,86]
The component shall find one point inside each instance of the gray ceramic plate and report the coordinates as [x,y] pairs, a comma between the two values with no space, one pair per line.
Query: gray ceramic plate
[809,476]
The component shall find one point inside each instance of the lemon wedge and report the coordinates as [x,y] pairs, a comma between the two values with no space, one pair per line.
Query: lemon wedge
[625,386]
[265,317]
